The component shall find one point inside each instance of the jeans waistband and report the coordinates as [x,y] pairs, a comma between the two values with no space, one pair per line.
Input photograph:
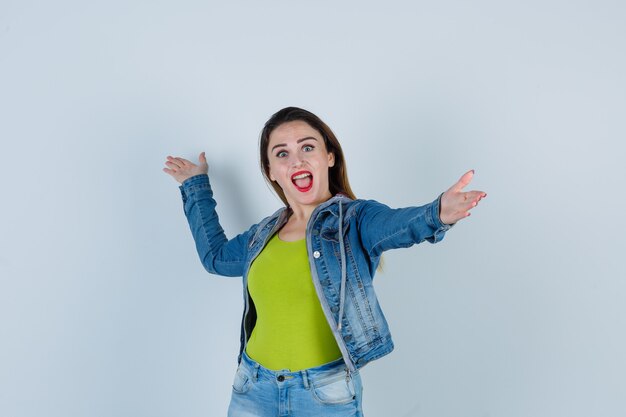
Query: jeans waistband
[319,373]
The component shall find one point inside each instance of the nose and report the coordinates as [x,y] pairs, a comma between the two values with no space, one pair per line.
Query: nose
[296,160]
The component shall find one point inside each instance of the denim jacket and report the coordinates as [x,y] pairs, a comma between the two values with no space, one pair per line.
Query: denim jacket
[344,238]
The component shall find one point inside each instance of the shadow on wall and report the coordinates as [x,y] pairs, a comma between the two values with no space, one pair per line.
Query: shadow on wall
[234,199]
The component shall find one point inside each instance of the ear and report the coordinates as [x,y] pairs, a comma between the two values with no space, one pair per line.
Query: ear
[270,174]
[331,159]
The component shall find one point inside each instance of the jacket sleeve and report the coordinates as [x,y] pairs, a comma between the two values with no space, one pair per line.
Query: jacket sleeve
[383,228]
[217,254]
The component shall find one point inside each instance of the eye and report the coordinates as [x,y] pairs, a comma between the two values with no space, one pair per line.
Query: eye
[308,148]
[281,154]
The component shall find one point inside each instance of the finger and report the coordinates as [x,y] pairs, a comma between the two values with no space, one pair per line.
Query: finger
[473,201]
[178,160]
[184,161]
[463,181]
[202,157]
[168,171]
[171,160]
[475,195]
[174,164]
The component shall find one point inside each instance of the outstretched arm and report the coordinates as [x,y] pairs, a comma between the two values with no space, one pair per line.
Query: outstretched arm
[218,254]
[385,228]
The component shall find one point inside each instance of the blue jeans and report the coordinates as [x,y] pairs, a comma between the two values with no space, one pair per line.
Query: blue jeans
[326,390]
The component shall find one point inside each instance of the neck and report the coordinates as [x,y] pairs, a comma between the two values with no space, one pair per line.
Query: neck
[302,212]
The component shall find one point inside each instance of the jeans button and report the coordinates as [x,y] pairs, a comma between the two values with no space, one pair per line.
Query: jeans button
[316,254]
[280,378]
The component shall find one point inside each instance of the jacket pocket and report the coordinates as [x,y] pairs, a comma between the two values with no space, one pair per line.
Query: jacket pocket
[331,235]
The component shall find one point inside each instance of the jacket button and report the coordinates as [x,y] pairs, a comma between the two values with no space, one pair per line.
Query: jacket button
[347,338]
[334,309]
[316,254]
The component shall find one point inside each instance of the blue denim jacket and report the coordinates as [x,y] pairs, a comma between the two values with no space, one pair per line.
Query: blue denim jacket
[345,239]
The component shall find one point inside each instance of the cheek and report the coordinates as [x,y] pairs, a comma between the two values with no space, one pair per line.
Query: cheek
[276,174]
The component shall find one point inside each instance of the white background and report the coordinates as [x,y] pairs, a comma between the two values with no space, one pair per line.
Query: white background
[105,309]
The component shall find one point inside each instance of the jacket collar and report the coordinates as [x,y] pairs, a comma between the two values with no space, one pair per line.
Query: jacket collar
[331,205]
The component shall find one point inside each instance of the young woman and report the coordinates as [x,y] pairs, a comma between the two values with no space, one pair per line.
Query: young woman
[311,318]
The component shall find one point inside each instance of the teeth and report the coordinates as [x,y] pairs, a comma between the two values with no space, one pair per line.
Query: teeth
[304,175]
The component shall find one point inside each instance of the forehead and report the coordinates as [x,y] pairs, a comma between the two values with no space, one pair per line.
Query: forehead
[292,131]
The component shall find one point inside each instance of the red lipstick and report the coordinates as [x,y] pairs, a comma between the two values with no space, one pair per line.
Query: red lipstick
[302,180]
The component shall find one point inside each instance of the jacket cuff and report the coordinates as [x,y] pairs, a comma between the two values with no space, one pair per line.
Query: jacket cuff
[190,183]
[434,221]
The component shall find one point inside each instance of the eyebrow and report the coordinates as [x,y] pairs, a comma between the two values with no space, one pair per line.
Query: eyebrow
[298,141]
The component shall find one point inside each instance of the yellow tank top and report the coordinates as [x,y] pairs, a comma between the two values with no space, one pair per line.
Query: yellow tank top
[291,331]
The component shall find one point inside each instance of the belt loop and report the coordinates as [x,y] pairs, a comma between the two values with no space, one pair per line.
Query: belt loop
[305,378]
[255,373]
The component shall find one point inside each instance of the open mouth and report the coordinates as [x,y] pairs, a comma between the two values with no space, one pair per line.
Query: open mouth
[303,180]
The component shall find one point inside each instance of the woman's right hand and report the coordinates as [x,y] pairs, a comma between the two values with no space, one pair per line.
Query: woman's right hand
[180,169]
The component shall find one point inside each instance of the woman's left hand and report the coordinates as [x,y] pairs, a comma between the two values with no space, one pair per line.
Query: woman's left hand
[456,204]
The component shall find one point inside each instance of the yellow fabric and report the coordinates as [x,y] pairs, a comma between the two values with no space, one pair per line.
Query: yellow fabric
[291,331]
